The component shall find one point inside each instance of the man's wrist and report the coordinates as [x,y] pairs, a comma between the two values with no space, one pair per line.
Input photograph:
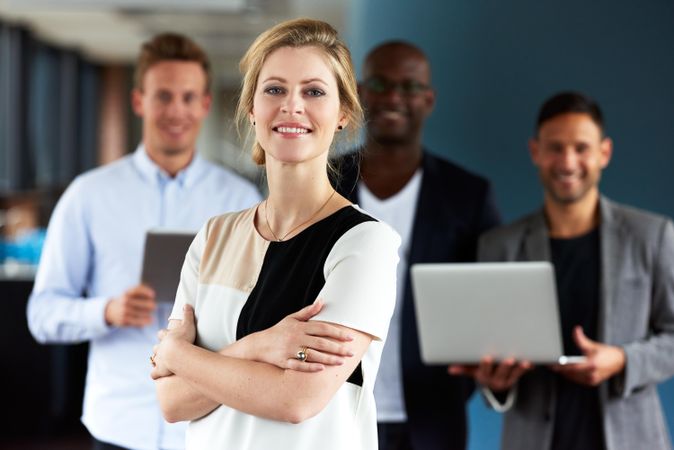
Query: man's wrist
[95,315]
[107,314]
[621,360]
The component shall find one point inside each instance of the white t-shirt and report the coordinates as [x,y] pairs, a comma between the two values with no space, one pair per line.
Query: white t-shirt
[398,211]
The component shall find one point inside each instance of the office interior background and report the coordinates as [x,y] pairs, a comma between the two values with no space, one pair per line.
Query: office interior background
[65,74]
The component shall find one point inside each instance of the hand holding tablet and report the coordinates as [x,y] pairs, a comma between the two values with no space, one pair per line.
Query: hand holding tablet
[163,260]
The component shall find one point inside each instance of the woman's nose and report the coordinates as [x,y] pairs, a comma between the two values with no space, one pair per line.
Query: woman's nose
[293,104]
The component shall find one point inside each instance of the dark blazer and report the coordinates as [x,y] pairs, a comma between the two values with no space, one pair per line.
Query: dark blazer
[636,312]
[453,208]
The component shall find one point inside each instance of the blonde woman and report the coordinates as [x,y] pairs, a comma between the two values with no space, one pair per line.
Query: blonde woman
[240,359]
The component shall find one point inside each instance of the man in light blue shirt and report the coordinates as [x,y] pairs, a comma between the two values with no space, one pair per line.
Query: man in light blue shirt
[87,286]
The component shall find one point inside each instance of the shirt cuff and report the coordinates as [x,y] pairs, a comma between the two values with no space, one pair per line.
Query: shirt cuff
[624,383]
[94,315]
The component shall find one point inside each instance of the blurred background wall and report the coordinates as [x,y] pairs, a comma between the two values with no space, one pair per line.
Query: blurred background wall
[493,63]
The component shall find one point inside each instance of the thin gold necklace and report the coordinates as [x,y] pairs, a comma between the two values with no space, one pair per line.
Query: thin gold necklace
[282,238]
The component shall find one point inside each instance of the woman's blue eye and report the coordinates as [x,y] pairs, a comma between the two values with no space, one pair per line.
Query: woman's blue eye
[315,92]
[274,90]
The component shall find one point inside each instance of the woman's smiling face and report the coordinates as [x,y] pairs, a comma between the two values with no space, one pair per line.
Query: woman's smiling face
[296,106]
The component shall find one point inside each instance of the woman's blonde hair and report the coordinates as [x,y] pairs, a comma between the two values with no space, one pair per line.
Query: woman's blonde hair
[299,33]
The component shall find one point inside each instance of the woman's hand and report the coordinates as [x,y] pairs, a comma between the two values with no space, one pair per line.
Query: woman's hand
[179,330]
[324,344]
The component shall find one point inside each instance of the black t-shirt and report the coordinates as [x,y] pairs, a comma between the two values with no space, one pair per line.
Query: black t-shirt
[578,420]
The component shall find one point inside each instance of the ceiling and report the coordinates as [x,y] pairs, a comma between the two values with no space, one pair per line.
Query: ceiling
[111,31]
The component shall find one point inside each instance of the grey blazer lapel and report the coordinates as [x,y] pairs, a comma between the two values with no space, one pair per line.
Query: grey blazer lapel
[612,247]
[536,241]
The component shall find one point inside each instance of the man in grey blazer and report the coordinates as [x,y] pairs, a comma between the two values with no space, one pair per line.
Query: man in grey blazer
[615,279]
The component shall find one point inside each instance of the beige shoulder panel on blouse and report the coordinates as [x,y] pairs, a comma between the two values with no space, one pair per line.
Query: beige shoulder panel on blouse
[234,251]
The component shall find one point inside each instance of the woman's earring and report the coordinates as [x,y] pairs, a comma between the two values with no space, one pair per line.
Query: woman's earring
[253,123]
[340,127]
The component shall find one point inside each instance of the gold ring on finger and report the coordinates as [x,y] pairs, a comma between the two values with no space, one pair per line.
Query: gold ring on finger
[302,354]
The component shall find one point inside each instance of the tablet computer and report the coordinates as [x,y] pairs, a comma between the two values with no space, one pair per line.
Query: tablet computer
[467,311]
[163,260]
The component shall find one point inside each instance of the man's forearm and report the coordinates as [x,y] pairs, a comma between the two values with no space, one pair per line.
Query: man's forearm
[59,319]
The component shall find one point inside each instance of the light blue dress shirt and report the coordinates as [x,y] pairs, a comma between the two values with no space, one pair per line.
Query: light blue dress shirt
[93,252]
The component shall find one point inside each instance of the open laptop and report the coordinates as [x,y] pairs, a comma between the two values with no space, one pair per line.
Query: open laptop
[163,260]
[467,311]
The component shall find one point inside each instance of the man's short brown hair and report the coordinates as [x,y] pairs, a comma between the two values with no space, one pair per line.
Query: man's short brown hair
[170,47]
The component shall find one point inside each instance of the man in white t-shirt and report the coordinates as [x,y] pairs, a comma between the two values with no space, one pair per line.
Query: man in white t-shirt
[439,210]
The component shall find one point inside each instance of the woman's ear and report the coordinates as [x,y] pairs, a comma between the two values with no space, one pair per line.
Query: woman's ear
[342,122]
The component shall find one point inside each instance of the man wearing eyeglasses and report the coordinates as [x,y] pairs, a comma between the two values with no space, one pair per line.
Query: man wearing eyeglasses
[439,210]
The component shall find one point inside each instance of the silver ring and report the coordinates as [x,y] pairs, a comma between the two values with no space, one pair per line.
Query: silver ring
[302,354]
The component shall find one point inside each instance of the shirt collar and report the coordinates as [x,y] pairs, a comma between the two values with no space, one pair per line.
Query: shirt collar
[150,171]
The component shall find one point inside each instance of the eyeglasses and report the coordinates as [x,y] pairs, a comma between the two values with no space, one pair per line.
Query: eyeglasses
[408,88]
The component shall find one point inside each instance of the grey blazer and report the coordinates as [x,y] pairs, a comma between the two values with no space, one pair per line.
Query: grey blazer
[636,312]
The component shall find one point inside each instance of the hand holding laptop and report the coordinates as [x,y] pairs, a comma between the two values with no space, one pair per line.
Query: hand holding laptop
[465,312]
[497,376]
[601,361]
[493,321]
